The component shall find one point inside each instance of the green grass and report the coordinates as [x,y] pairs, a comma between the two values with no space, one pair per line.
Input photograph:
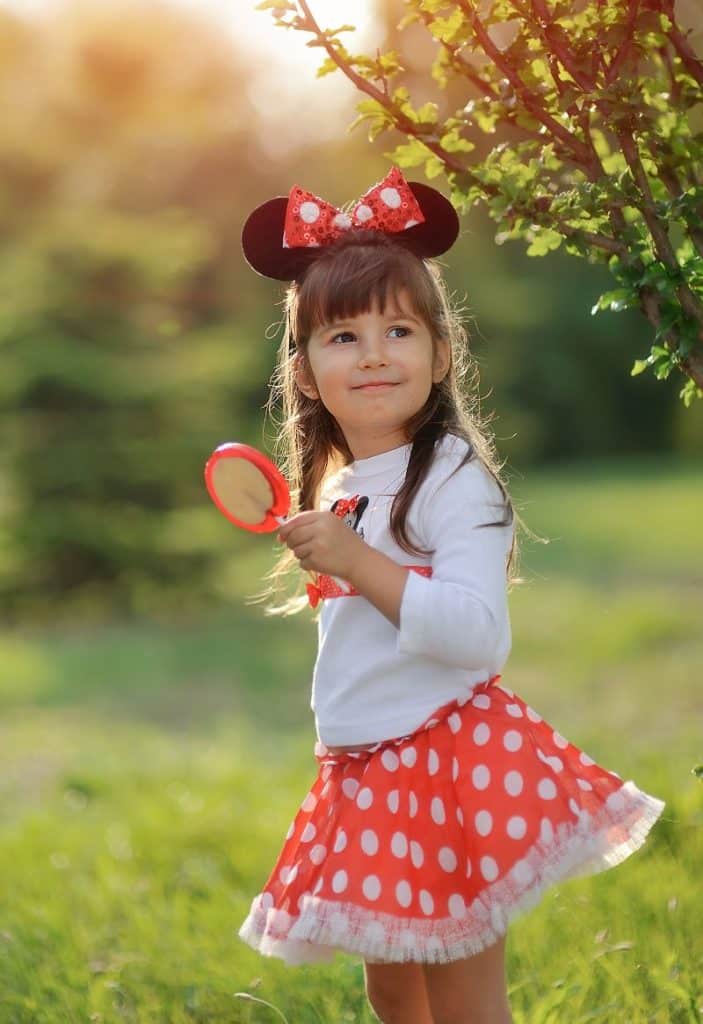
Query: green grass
[148,775]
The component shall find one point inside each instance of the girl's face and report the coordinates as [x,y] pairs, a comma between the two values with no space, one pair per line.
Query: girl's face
[373,372]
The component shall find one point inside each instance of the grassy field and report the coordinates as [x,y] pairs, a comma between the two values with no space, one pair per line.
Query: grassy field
[148,775]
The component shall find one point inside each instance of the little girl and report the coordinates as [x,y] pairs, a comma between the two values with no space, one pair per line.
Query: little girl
[443,804]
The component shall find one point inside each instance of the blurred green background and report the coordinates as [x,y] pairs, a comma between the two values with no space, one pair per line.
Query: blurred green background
[155,733]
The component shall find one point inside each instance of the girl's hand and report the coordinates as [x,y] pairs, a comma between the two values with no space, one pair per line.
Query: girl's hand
[321,541]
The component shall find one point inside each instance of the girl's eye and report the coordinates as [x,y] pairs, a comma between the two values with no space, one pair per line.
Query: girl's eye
[343,335]
[406,331]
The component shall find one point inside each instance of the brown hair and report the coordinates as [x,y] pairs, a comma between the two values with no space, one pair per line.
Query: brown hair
[366,268]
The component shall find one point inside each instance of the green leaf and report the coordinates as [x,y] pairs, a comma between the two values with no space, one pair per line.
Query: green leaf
[544,242]
[409,154]
[639,366]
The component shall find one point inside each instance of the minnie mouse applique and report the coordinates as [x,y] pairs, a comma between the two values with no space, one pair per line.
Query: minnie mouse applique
[351,510]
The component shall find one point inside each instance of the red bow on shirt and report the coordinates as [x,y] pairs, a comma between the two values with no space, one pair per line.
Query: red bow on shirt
[390,207]
[345,505]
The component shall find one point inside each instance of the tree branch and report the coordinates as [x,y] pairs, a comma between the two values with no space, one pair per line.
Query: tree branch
[662,244]
[620,57]
[401,121]
[579,151]
[543,17]
[692,63]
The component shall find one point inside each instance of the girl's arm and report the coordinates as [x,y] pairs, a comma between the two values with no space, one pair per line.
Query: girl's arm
[380,580]
[460,615]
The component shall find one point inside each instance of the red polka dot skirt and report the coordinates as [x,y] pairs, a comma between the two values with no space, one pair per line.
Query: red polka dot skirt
[424,847]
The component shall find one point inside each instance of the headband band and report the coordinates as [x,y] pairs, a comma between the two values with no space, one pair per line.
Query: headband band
[280,237]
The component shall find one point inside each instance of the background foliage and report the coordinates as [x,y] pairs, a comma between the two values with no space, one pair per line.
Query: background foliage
[133,334]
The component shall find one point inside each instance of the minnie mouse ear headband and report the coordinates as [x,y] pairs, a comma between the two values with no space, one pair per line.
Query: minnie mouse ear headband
[280,236]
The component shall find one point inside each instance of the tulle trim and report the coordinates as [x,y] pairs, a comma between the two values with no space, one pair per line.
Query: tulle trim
[325,927]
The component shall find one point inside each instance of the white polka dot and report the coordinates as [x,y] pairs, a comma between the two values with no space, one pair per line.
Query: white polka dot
[469,868]
[391,197]
[559,740]
[416,854]
[484,822]
[291,830]
[374,932]
[340,842]
[411,223]
[318,853]
[546,789]
[585,759]
[489,869]
[364,799]
[455,769]
[412,804]
[481,776]
[318,887]
[363,213]
[343,221]
[350,788]
[288,874]
[514,710]
[482,701]
[371,887]
[437,811]
[460,816]
[522,872]
[309,803]
[432,762]
[512,740]
[456,906]
[369,842]
[340,881]
[454,722]
[266,900]
[309,833]
[393,801]
[546,830]
[555,763]
[574,807]
[399,844]
[389,760]
[482,734]
[513,783]
[403,893]
[426,902]
[408,756]
[517,827]
[447,859]
[309,212]
[533,716]
[584,784]
[542,756]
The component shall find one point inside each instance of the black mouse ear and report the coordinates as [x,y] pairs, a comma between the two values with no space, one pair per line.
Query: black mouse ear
[440,229]
[263,232]
[262,243]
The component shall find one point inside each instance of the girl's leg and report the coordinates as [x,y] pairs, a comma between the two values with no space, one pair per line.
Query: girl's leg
[397,993]
[470,991]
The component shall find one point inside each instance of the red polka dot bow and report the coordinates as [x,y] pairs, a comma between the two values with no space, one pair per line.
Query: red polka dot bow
[390,206]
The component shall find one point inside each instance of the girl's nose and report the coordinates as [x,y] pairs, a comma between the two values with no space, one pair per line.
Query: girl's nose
[373,353]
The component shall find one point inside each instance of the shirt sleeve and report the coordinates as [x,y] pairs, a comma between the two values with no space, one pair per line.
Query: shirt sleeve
[460,614]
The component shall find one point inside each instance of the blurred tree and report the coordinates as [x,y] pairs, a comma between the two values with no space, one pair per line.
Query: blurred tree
[603,102]
[123,154]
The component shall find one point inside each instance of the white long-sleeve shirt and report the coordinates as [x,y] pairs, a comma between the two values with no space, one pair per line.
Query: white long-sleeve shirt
[375,681]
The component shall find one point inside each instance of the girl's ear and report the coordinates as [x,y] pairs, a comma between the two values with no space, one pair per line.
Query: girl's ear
[442,360]
[303,378]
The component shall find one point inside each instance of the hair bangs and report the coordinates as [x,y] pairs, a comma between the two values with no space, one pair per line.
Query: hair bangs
[352,279]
